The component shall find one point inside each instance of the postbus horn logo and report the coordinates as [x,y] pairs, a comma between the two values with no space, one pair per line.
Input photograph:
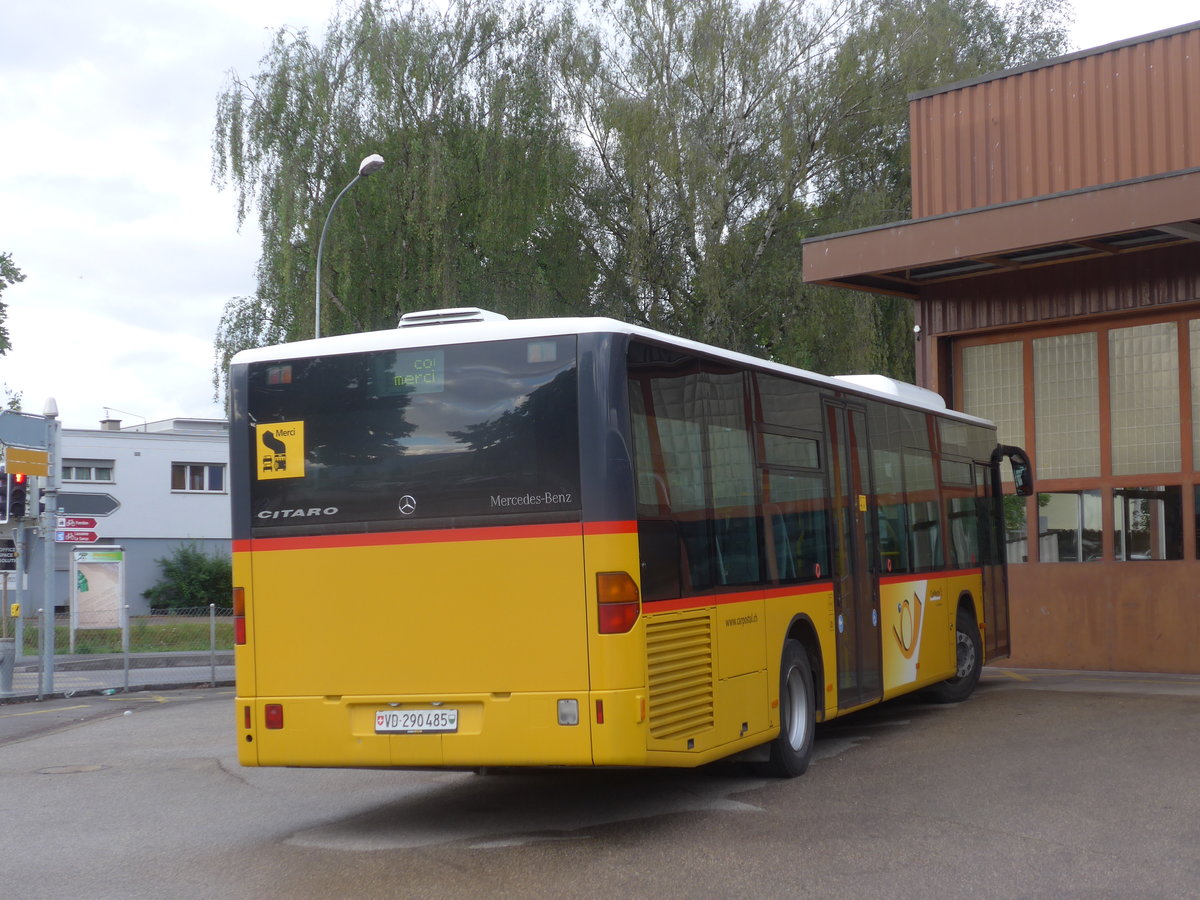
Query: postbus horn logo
[908,628]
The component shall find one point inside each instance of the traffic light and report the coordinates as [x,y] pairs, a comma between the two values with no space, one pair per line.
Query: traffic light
[3,496]
[18,495]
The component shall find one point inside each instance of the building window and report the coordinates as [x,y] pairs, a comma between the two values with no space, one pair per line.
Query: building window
[994,388]
[1148,523]
[1143,380]
[1194,344]
[1196,497]
[198,477]
[1066,397]
[1069,527]
[87,470]
[1016,533]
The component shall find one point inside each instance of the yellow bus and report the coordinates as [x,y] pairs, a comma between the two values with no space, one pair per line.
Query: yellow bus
[473,541]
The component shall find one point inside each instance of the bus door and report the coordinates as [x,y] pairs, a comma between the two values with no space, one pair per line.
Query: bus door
[855,579]
[990,504]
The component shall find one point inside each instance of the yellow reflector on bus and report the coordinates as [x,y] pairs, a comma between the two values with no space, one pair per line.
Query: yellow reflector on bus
[618,602]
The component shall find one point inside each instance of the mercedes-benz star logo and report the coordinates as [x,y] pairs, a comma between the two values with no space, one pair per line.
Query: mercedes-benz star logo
[408,505]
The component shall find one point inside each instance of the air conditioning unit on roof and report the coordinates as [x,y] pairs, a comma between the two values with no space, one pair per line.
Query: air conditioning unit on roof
[448,316]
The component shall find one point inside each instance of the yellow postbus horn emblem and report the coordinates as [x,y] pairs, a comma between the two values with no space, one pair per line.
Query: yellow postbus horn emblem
[908,627]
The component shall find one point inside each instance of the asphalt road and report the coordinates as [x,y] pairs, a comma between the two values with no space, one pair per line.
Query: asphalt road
[1042,785]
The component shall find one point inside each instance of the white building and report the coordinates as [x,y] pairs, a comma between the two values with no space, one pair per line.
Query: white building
[149,488]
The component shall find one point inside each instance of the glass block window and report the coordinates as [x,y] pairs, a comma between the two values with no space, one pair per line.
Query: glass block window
[993,387]
[1143,365]
[1066,396]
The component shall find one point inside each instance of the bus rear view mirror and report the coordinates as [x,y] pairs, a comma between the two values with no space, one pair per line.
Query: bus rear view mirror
[1022,468]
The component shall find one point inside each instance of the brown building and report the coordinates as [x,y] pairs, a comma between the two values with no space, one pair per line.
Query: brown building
[1054,262]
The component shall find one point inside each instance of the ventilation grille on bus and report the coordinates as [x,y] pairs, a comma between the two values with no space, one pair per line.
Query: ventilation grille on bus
[448,316]
[680,656]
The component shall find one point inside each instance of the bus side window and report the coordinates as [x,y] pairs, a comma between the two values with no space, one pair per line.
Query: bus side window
[893,538]
[925,545]
[798,525]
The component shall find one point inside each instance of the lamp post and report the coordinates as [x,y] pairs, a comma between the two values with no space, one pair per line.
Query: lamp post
[49,517]
[371,164]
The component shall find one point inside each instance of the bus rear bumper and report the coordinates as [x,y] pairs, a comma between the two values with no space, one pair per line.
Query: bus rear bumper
[525,729]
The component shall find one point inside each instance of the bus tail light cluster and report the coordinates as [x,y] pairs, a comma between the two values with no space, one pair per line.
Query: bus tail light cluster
[239,615]
[618,602]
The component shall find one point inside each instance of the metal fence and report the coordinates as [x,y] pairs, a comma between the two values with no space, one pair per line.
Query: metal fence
[177,647]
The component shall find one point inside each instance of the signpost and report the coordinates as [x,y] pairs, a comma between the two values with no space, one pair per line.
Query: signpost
[77,503]
[75,537]
[22,461]
[25,430]
[71,530]
[75,522]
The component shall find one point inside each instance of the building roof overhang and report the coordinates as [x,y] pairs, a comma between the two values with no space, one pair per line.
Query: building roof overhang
[902,257]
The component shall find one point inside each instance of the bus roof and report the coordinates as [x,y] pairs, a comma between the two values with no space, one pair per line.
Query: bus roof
[469,326]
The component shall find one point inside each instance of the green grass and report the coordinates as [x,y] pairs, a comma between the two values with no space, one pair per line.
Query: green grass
[155,634]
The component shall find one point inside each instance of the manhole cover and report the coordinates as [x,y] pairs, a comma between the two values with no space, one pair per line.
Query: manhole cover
[69,770]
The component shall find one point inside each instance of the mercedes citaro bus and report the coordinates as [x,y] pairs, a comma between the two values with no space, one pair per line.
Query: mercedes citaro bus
[473,541]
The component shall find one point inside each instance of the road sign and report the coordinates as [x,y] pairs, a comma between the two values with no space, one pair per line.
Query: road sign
[8,555]
[22,461]
[65,522]
[23,429]
[75,537]
[81,504]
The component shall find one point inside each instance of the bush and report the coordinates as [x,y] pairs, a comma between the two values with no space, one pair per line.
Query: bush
[190,577]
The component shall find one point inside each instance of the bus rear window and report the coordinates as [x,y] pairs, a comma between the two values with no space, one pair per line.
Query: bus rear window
[389,437]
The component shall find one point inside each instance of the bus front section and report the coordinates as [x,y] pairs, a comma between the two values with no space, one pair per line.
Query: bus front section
[416,583]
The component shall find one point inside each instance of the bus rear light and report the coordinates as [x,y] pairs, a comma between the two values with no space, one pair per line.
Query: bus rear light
[618,602]
[246,718]
[239,615]
[273,716]
[599,712]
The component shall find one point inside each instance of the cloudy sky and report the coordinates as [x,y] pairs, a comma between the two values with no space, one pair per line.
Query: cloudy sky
[106,200]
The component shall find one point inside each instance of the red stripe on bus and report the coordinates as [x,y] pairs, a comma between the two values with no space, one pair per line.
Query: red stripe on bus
[610,528]
[650,607]
[927,576]
[433,536]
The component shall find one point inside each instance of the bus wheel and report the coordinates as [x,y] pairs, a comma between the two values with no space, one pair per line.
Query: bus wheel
[969,653]
[792,750]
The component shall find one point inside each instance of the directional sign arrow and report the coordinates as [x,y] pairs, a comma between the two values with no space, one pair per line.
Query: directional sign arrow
[81,504]
[76,522]
[75,537]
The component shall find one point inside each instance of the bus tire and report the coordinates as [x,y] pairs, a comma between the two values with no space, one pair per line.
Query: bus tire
[792,750]
[968,651]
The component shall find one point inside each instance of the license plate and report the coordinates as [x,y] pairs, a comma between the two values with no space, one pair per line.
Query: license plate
[416,721]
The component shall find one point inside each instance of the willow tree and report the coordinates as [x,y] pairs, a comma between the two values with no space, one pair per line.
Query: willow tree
[656,160]
[704,120]
[722,132]
[470,208]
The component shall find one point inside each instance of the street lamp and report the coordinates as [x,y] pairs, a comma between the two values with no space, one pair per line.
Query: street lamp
[371,164]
